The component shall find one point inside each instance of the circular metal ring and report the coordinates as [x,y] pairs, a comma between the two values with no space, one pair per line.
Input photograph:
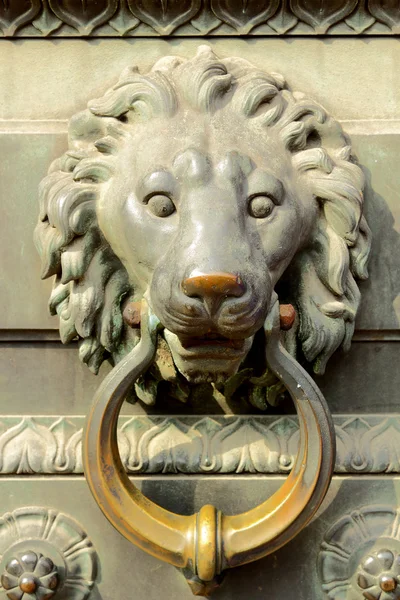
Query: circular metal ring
[208,542]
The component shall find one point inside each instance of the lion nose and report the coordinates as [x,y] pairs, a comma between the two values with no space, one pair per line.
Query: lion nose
[214,286]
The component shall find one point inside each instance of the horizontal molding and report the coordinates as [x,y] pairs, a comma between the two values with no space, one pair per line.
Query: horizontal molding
[376,335]
[371,126]
[52,335]
[30,335]
[33,126]
[197,445]
[111,18]
[55,126]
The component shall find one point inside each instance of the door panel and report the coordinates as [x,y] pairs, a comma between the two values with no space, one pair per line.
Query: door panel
[46,392]
[126,570]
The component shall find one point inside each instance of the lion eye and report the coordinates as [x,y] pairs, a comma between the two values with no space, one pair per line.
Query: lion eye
[261,207]
[161,205]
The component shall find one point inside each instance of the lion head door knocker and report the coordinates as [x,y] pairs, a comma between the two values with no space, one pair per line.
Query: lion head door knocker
[190,198]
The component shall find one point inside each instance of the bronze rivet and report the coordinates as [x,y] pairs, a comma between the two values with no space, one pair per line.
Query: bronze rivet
[131,314]
[287,316]
[28,584]
[387,583]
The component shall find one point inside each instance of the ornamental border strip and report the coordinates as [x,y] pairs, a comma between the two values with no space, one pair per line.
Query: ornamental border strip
[146,18]
[197,445]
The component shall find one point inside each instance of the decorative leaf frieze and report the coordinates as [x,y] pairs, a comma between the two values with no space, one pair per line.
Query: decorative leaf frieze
[197,445]
[83,15]
[322,15]
[244,15]
[284,20]
[205,21]
[47,22]
[164,15]
[361,19]
[108,18]
[16,14]
[386,11]
[123,21]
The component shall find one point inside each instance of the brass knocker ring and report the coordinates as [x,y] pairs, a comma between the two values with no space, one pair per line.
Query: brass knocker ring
[208,542]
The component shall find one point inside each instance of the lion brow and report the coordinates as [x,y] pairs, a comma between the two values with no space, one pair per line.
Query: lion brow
[193,164]
[235,166]
[196,165]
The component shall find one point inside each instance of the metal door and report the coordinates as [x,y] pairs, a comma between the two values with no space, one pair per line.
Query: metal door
[217,180]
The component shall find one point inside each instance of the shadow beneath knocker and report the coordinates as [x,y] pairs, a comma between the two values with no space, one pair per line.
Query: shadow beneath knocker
[380,293]
[354,381]
[356,527]
[180,496]
[95,594]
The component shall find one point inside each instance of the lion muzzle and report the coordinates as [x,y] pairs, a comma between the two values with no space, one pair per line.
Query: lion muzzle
[213,288]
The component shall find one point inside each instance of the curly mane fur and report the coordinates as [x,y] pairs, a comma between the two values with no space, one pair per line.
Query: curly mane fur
[91,283]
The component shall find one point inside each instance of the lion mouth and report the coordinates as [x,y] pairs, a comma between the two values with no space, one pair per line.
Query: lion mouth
[210,340]
[207,357]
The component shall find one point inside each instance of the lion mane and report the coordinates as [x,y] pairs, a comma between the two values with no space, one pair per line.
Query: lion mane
[91,283]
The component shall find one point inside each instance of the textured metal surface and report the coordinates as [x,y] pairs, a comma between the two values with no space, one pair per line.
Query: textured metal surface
[358,83]
[293,222]
[198,18]
[122,563]
[379,303]
[197,444]
[26,388]
[325,71]
[359,557]
[44,554]
[203,545]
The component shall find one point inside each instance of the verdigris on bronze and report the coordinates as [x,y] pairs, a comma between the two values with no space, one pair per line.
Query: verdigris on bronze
[202,189]
[360,555]
[203,185]
[45,554]
[197,445]
[197,17]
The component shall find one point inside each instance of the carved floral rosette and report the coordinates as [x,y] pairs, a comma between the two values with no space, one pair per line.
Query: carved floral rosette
[47,535]
[360,556]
